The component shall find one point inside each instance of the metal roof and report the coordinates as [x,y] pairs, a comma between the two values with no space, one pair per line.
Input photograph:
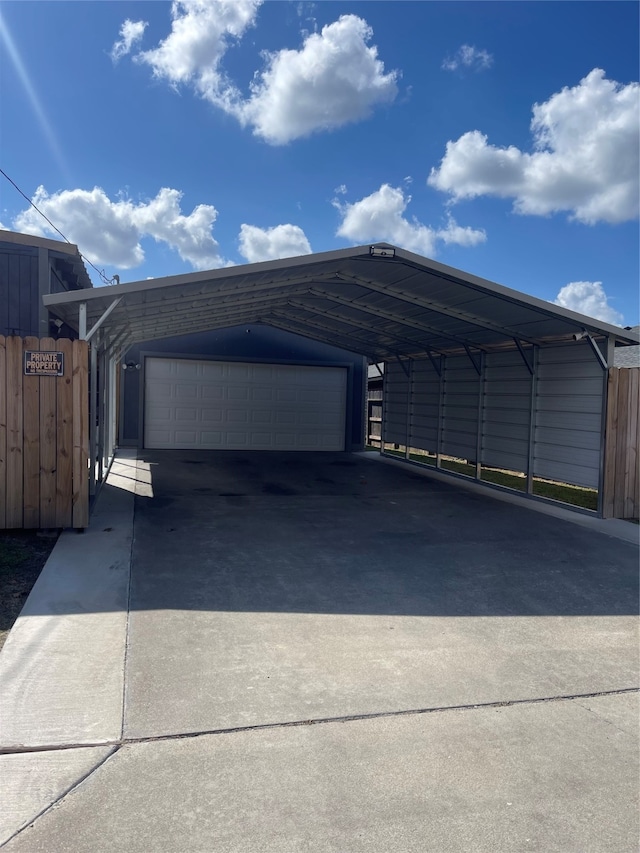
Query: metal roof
[379,301]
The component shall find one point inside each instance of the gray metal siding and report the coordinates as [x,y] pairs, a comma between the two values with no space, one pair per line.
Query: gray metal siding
[568,420]
[506,409]
[566,411]
[18,293]
[394,418]
[460,408]
[425,406]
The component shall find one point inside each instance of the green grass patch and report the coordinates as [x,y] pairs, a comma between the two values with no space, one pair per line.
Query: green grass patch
[563,492]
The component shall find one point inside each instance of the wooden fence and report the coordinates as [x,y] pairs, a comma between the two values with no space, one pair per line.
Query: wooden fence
[621,478]
[44,437]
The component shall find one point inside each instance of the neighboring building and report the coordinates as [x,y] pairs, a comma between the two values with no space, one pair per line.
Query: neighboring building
[628,356]
[31,267]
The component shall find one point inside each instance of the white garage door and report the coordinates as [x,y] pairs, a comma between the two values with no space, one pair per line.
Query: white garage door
[234,406]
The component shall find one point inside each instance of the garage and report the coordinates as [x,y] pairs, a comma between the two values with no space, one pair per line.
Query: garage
[217,405]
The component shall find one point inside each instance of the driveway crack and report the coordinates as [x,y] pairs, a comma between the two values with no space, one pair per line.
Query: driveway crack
[316,721]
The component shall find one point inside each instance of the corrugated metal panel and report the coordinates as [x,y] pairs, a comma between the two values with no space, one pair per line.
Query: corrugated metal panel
[394,417]
[382,305]
[460,408]
[568,420]
[506,412]
[425,402]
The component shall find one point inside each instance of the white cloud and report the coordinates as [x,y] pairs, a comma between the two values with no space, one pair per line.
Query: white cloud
[380,217]
[333,79]
[200,32]
[341,190]
[468,56]
[588,297]
[267,244]
[131,33]
[585,159]
[109,232]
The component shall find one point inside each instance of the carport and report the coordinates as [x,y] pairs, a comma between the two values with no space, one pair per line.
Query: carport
[472,370]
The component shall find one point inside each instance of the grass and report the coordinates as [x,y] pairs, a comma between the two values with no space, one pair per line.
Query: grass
[22,555]
[563,492]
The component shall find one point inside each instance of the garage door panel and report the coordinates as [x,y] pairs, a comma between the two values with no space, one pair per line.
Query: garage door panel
[211,370]
[212,392]
[262,395]
[237,405]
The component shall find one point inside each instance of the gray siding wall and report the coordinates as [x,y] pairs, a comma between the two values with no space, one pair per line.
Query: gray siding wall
[568,418]
[394,404]
[460,408]
[22,283]
[425,406]
[506,407]
[19,296]
[260,343]
[554,417]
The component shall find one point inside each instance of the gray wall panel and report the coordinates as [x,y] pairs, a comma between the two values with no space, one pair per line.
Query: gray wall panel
[567,411]
[568,420]
[506,412]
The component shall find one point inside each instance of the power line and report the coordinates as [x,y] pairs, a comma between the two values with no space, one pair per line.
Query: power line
[101,273]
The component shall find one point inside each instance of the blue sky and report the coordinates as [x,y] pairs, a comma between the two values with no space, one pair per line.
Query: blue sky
[500,138]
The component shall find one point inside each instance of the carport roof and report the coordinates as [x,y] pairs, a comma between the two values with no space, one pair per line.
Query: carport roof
[380,301]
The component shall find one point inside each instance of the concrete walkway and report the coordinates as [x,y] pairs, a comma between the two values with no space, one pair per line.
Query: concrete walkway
[296,652]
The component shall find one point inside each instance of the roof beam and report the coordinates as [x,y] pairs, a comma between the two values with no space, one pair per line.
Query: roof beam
[529,364]
[597,352]
[104,316]
[187,327]
[350,334]
[275,323]
[439,308]
[392,318]
[476,364]
[348,321]
[308,330]
[214,297]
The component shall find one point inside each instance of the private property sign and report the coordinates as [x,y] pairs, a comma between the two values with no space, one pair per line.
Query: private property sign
[43,363]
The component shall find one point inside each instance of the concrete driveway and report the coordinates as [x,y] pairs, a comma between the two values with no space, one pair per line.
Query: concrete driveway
[322,652]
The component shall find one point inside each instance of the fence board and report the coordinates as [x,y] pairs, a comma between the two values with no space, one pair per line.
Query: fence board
[631,485]
[621,444]
[14,516]
[64,433]
[3,432]
[621,479]
[80,434]
[31,435]
[48,443]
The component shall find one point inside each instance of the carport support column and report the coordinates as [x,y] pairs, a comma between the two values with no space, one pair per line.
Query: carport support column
[82,321]
[93,409]
[532,420]
[113,405]
[443,368]
[409,401]
[479,433]
[103,412]
[610,357]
